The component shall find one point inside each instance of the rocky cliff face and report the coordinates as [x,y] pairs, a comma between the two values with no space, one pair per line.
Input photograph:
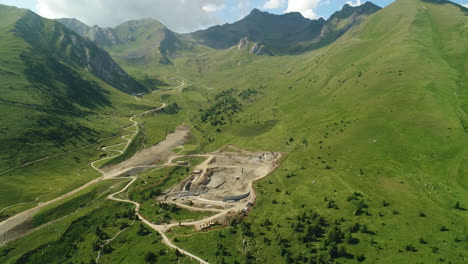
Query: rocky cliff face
[255,48]
[288,33]
[55,39]
[103,36]
[243,42]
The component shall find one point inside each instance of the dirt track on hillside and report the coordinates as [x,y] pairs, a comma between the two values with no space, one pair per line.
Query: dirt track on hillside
[13,227]
[151,155]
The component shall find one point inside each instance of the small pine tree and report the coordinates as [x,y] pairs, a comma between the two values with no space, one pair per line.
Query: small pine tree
[360,257]
[107,249]
[363,229]
[150,257]
[341,251]
[349,238]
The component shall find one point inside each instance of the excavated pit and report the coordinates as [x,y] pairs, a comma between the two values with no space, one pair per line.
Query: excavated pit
[224,180]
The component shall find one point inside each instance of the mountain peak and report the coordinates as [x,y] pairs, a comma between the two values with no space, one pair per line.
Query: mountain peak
[295,15]
[365,9]
[256,11]
[143,22]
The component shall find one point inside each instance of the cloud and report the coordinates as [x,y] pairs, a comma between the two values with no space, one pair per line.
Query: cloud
[178,15]
[273,4]
[465,5]
[305,7]
[358,3]
[213,7]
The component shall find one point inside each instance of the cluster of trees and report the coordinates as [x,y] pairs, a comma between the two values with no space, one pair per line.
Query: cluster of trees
[248,94]
[222,250]
[224,108]
[171,109]
[167,207]
[163,211]
[360,203]
[310,228]
[306,238]
[151,257]
[226,105]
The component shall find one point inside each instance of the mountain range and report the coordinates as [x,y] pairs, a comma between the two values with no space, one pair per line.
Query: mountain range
[280,34]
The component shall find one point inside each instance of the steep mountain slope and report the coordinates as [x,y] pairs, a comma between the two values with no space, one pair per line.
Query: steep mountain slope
[136,42]
[52,37]
[52,81]
[288,33]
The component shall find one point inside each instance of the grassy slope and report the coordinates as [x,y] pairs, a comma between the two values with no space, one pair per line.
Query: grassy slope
[388,102]
[72,239]
[52,106]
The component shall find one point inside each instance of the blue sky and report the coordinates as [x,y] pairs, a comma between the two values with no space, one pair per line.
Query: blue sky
[180,15]
[323,9]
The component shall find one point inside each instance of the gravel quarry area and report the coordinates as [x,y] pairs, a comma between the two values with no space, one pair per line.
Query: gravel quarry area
[224,180]
[148,157]
[223,184]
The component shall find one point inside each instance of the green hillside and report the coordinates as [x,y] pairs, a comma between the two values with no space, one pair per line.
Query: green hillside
[58,92]
[381,112]
[373,127]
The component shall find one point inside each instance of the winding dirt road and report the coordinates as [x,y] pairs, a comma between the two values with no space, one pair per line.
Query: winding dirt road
[220,213]
[160,229]
[9,228]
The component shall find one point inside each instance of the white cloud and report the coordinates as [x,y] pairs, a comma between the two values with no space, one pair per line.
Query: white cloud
[179,15]
[273,4]
[358,3]
[465,5]
[213,7]
[305,7]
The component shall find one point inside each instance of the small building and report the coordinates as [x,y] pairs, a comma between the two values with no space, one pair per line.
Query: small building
[206,225]
[197,171]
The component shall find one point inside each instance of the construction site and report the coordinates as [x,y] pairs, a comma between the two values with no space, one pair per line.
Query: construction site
[222,183]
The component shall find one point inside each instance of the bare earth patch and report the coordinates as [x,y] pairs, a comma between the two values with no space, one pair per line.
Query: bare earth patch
[223,183]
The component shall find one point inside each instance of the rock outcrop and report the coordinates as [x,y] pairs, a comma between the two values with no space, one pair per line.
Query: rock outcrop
[255,48]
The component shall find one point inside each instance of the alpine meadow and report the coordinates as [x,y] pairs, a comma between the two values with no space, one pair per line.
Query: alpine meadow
[273,139]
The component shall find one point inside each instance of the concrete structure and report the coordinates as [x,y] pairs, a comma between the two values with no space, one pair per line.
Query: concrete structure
[236,198]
